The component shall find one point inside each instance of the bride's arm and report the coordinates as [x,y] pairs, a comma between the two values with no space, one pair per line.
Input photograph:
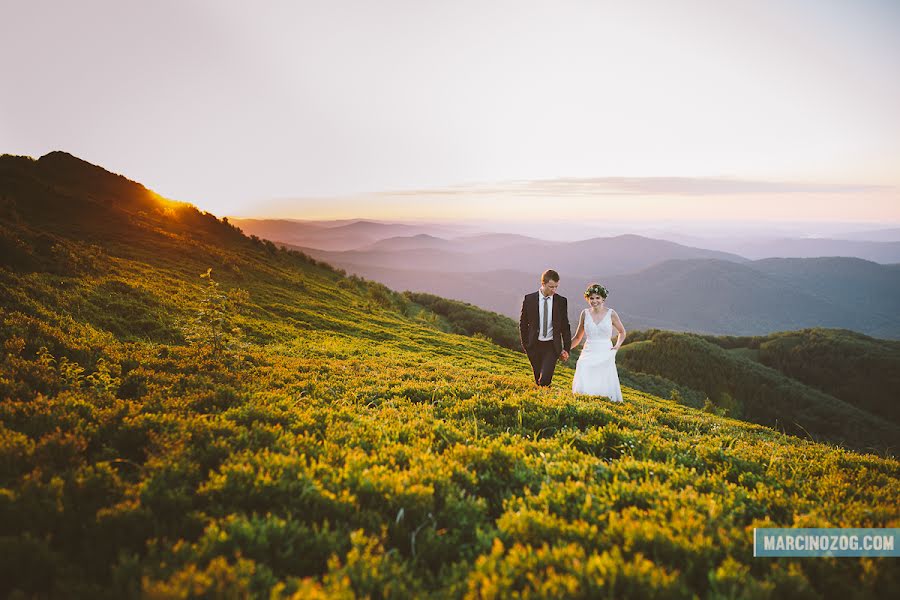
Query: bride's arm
[617,323]
[579,333]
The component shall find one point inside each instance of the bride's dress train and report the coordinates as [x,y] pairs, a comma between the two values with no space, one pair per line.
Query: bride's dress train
[595,371]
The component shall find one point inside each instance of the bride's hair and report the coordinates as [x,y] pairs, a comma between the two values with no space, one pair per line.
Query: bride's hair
[596,288]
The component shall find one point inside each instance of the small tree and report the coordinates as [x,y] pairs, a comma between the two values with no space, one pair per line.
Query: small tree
[213,324]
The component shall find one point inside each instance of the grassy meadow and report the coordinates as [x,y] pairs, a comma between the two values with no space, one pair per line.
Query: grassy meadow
[189,412]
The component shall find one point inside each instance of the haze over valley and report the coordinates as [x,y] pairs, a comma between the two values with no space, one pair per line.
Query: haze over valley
[694,285]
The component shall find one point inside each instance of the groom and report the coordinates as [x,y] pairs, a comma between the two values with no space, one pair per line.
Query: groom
[544,328]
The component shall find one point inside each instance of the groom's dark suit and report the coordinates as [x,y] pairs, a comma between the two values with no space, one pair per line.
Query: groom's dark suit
[543,355]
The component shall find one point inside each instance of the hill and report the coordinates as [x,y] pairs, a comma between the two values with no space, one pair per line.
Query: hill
[471,320]
[716,297]
[468,244]
[865,289]
[485,242]
[875,235]
[763,296]
[881,246]
[884,252]
[272,428]
[856,368]
[751,391]
[413,242]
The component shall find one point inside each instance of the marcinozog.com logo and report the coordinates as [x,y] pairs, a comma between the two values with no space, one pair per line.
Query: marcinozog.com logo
[826,542]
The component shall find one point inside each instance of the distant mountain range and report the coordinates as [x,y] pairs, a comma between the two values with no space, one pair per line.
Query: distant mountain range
[881,251]
[338,235]
[598,256]
[654,283]
[876,235]
[703,296]
[470,244]
[881,246]
[762,296]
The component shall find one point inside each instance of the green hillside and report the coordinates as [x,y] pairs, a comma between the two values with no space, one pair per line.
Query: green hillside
[751,391]
[858,369]
[467,319]
[279,430]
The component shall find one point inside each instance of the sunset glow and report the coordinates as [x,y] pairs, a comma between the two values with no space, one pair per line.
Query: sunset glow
[654,199]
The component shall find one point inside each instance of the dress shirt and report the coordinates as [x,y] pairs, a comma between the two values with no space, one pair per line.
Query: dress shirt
[541,318]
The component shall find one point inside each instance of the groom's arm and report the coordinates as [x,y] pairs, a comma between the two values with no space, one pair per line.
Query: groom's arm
[523,327]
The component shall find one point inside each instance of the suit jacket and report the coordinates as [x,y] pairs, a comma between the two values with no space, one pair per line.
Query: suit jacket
[529,327]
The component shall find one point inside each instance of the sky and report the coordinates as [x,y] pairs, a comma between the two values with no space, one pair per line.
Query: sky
[677,109]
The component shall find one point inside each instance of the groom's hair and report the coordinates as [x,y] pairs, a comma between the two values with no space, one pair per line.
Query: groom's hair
[549,275]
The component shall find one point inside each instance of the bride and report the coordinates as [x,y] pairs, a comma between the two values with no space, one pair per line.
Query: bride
[595,371]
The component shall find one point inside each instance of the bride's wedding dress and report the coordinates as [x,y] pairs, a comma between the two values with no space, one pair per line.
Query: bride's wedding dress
[595,371]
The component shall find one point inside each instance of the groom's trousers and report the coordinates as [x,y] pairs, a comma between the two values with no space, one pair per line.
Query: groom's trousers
[543,362]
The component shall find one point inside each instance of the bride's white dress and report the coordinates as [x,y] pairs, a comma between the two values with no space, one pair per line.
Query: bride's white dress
[595,371]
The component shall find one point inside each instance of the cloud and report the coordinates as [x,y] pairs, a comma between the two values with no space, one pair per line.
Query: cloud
[645,186]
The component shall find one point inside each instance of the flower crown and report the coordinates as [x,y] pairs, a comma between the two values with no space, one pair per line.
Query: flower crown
[596,288]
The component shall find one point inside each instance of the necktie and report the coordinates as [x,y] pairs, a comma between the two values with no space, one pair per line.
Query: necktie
[544,323]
